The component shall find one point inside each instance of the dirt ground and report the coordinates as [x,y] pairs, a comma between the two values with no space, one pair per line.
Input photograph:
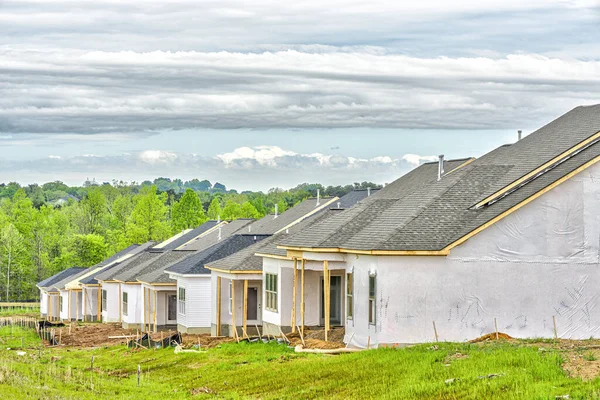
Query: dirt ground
[92,335]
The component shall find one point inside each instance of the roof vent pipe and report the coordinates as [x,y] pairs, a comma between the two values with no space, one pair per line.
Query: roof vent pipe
[368,191]
[440,166]
[219,233]
[339,204]
[249,228]
[218,219]
[520,133]
[318,197]
[276,210]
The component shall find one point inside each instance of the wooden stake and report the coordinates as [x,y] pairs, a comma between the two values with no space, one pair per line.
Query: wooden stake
[258,331]
[555,330]
[60,336]
[301,337]
[138,375]
[92,364]
[302,297]
[369,342]
[294,295]
[233,308]
[496,326]
[326,290]
[218,306]
[245,316]
[435,331]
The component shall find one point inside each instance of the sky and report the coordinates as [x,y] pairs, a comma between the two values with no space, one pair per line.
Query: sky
[267,93]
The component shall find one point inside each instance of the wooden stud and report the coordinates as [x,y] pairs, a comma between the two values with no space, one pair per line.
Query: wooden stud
[302,297]
[218,306]
[496,326]
[245,316]
[233,308]
[294,295]
[435,332]
[555,330]
[326,290]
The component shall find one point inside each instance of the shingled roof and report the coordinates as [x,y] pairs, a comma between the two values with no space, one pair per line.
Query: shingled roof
[217,235]
[419,213]
[154,272]
[55,282]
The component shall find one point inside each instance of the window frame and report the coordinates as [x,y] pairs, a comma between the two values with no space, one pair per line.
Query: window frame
[271,292]
[350,295]
[104,300]
[60,303]
[181,298]
[124,303]
[373,299]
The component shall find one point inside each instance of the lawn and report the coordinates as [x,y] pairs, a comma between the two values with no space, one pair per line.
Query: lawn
[503,370]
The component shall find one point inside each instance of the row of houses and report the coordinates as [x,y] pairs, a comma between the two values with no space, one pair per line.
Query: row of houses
[452,250]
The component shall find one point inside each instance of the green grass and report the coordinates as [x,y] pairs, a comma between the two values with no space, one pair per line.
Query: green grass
[20,311]
[271,371]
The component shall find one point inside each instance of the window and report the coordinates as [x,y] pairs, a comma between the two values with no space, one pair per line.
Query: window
[125,303]
[60,301]
[103,300]
[372,306]
[349,296]
[230,297]
[181,301]
[271,292]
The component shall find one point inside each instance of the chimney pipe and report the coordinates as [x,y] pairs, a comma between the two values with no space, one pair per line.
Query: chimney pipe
[440,166]
[276,210]
[520,133]
[318,197]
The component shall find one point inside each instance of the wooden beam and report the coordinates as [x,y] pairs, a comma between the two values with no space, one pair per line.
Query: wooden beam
[302,298]
[245,316]
[294,295]
[326,292]
[233,307]
[155,307]
[218,306]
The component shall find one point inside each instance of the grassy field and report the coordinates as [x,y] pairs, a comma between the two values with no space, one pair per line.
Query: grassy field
[270,371]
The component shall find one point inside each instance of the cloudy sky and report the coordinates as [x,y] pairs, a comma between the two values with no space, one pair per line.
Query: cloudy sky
[269,93]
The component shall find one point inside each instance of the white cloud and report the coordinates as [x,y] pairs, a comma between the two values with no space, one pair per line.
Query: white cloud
[416,160]
[157,157]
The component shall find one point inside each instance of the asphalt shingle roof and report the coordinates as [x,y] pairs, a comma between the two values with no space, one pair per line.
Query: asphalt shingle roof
[56,279]
[114,265]
[186,237]
[212,238]
[195,264]
[418,212]
[155,271]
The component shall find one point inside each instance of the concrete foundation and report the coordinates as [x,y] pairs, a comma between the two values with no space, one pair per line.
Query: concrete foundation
[194,331]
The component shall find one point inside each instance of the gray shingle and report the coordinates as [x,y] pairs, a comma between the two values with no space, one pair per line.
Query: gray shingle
[418,212]
[212,238]
[57,281]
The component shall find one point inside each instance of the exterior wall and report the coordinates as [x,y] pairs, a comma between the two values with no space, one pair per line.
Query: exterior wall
[198,302]
[43,303]
[134,304]
[238,306]
[90,299]
[111,314]
[540,262]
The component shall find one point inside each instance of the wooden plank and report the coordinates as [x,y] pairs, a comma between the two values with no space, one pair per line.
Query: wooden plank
[294,295]
[302,297]
[326,293]
[245,316]
[218,306]
[233,308]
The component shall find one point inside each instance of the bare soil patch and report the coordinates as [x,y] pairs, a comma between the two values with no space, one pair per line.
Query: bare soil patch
[92,335]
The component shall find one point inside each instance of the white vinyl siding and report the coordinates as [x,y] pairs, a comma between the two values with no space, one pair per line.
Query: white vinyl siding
[198,296]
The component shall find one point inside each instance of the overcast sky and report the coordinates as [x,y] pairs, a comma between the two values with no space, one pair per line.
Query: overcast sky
[269,93]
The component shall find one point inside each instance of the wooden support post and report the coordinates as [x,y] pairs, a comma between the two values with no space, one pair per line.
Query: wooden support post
[146,311]
[99,307]
[294,295]
[326,290]
[233,308]
[76,306]
[83,296]
[218,306]
[69,307]
[120,304]
[555,330]
[49,313]
[435,331]
[245,316]
[302,298]
[496,326]
[155,307]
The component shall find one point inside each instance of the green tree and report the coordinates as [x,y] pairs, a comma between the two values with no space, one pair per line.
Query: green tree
[232,210]
[249,211]
[11,242]
[187,212]
[93,207]
[214,210]
[89,249]
[149,216]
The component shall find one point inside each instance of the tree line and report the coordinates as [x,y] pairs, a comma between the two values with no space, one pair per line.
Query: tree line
[47,228]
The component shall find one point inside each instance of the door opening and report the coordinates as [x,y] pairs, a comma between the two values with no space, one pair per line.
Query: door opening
[252,311]
[335,306]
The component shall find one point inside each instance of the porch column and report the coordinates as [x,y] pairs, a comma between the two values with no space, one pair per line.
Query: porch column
[302,298]
[326,295]
[245,316]
[218,306]
[233,308]
[294,295]
[99,303]
[155,305]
